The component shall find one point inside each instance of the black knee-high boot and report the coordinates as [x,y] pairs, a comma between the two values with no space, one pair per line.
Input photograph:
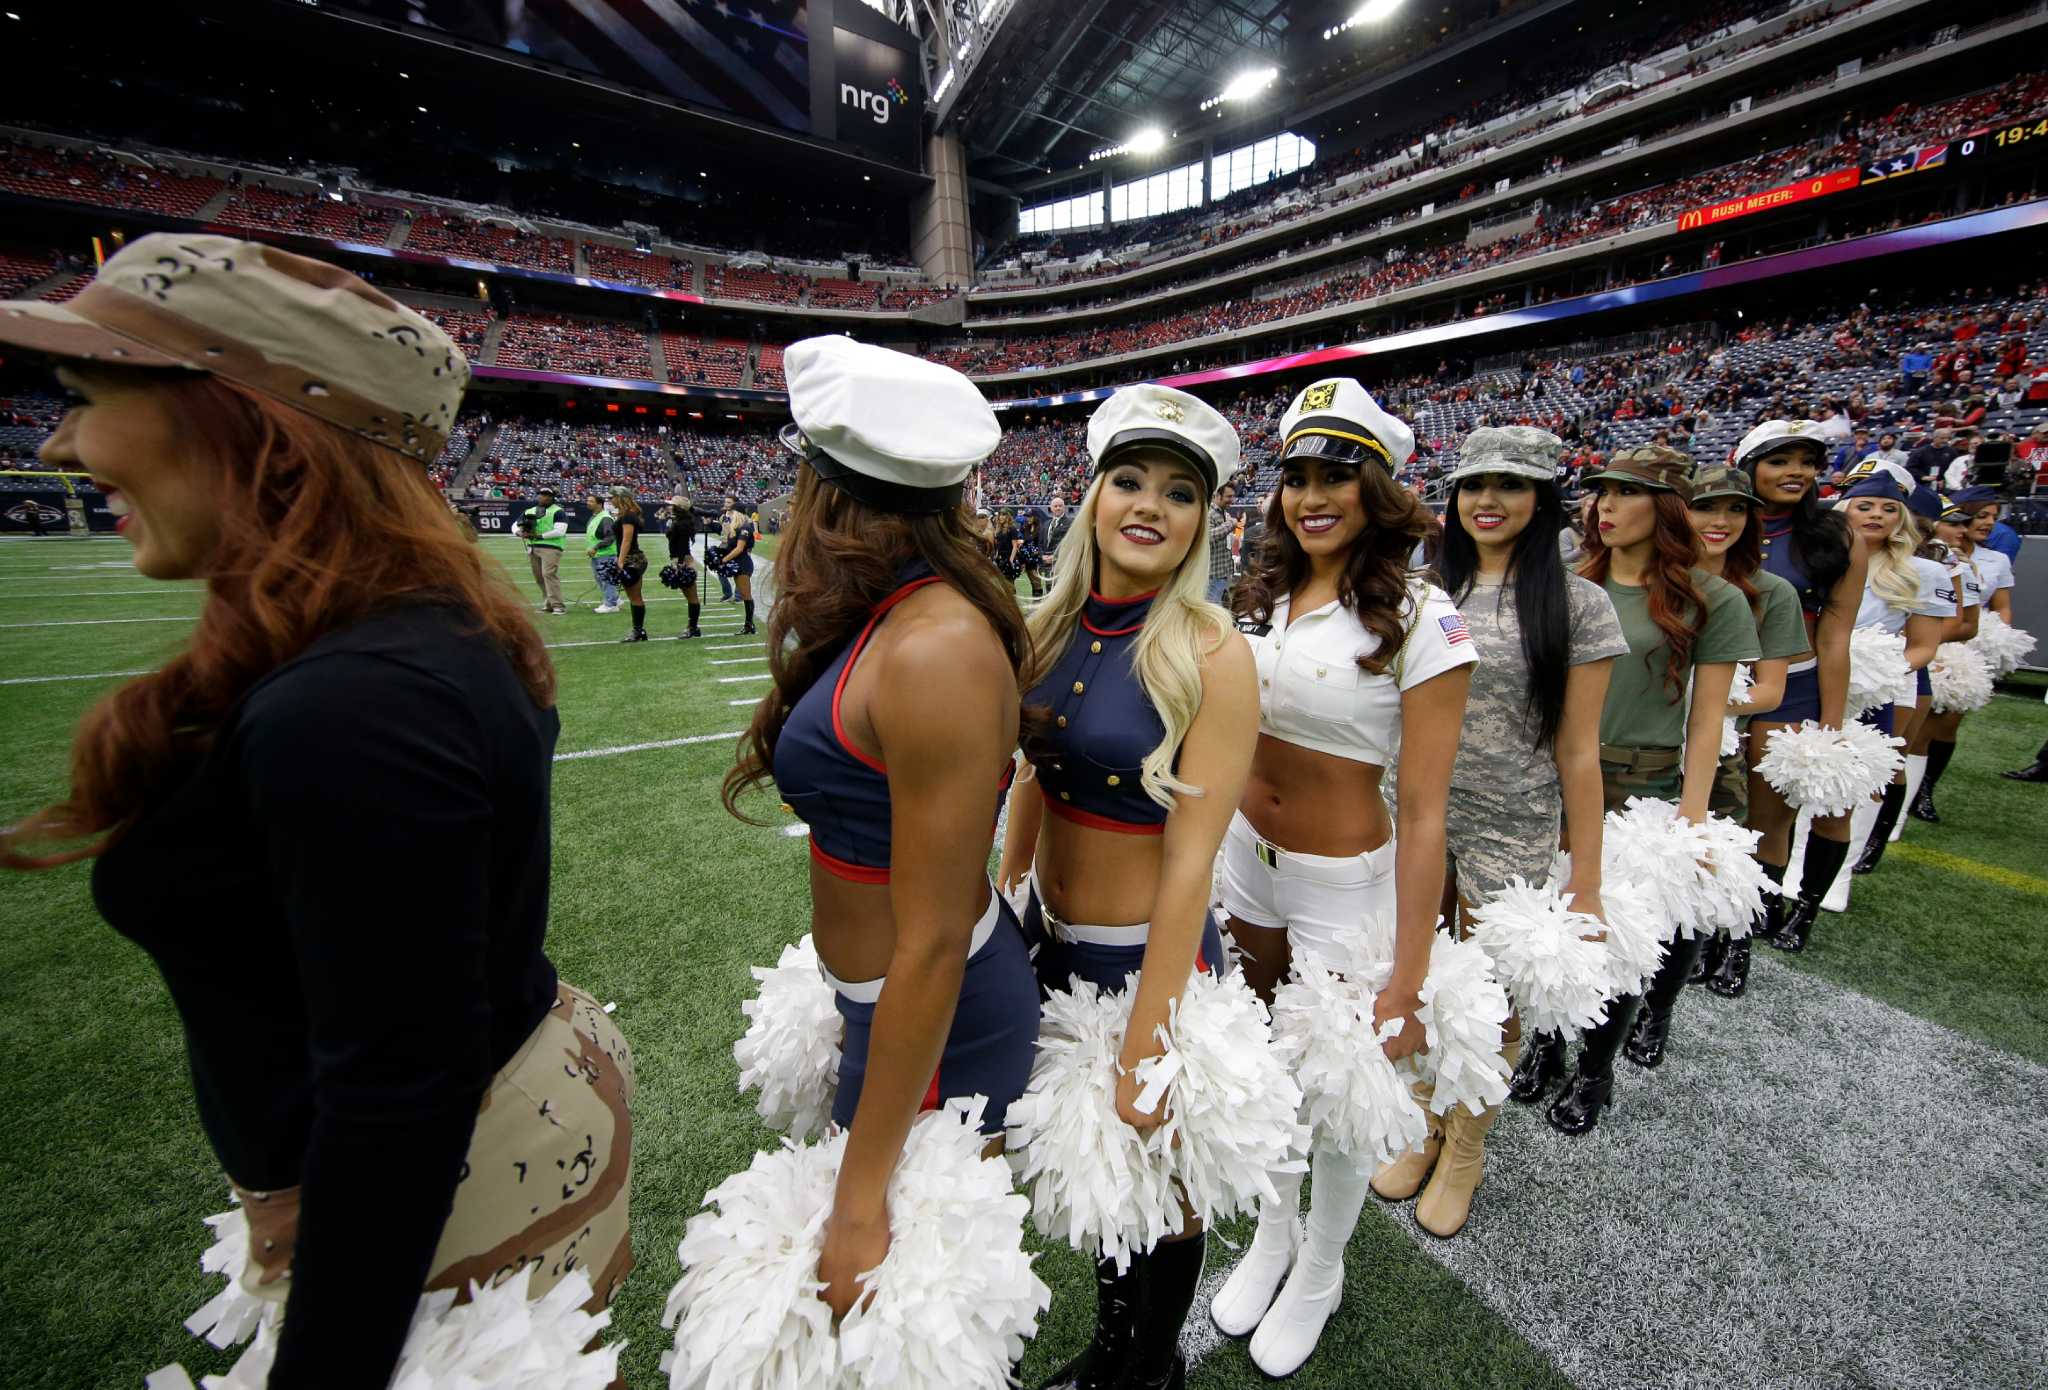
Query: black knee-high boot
[1542,1066]
[1591,1085]
[1938,754]
[639,632]
[750,618]
[1816,875]
[691,630]
[1732,978]
[1173,1271]
[1105,1361]
[1653,1020]
[1881,833]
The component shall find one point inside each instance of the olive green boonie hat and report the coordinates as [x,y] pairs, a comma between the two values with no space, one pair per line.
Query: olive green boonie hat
[1520,451]
[1722,481]
[1652,465]
[307,334]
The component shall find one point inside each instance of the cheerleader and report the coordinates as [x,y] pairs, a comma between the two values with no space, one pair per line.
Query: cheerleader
[1529,750]
[1724,521]
[632,560]
[1004,547]
[1995,578]
[1358,661]
[361,689]
[1682,624]
[1903,593]
[737,557]
[1809,549]
[1153,708]
[682,568]
[895,656]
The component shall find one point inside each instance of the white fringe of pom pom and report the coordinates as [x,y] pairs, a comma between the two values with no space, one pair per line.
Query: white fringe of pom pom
[2004,647]
[950,1305]
[1463,1010]
[1701,878]
[1961,679]
[1355,1101]
[1877,668]
[791,1047]
[1543,954]
[1635,937]
[1232,1118]
[499,1340]
[1830,771]
[234,1314]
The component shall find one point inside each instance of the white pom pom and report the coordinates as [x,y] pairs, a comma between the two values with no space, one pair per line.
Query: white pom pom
[1731,738]
[791,1047]
[1635,940]
[955,1299]
[2004,647]
[1647,844]
[1744,682]
[1463,1008]
[1961,679]
[951,1304]
[1830,771]
[1877,668]
[233,1314]
[1542,955]
[499,1339]
[1355,1101]
[1232,1118]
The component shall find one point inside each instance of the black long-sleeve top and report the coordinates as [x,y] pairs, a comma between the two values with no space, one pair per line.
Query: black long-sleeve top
[347,899]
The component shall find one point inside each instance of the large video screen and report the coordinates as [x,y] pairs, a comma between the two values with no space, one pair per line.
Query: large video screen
[749,57]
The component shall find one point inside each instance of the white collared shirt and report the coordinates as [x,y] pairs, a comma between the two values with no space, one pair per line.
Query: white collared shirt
[1312,692]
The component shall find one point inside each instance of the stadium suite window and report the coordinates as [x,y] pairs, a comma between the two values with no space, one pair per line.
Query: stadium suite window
[1171,191]
[1061,216]
[1253,164]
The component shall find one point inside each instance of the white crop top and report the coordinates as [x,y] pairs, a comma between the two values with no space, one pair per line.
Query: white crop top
[1963,586]
[1935,599]
[1312,692]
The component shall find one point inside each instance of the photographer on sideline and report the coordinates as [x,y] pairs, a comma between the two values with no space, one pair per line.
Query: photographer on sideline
[600,543]
[542,526]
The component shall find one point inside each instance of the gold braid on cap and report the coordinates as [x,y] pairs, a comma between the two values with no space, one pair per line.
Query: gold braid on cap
[1367,440]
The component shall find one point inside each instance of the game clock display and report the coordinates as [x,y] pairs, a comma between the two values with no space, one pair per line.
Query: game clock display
[2033,133]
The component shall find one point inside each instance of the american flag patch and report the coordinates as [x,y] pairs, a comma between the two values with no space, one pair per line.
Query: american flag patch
[1454,630]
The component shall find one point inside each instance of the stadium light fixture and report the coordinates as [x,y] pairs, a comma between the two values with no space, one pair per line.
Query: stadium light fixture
[987,8]
[1244,87]
[945,83]
[1371,12]
[1150,140]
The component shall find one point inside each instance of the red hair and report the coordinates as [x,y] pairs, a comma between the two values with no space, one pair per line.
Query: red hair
[1677,606]
[318,529]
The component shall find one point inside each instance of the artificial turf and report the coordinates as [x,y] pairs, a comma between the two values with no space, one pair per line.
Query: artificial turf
[660,902]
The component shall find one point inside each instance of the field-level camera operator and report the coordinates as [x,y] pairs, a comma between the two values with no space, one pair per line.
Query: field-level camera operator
[542,527]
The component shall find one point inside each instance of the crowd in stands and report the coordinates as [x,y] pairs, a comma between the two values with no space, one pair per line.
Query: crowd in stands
[739,282]
[768,370]
[575,459]
[26,420]
[607,262]
[455,452]
[560,343]
[701,362]
[21,269]
[468,327]
[750,464]
[102,179]
[450,234]
[259,207]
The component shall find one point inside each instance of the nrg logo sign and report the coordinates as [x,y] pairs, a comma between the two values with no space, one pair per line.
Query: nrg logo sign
[876,104]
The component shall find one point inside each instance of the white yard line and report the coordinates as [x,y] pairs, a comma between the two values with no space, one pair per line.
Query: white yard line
[102,622]
[735,680]
[736,660]
[736,647]
[166,592]
[93,676]
[644,747]
[733,704]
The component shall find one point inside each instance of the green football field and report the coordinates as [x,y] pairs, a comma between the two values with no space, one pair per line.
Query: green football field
[661,901]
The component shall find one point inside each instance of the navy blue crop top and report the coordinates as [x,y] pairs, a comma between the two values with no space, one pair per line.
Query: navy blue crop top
[839,791]
[1090,764]
[1782,558]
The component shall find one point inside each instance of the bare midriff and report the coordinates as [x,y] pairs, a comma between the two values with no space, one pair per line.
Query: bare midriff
[1101,878]
[1314,803]
[852,925]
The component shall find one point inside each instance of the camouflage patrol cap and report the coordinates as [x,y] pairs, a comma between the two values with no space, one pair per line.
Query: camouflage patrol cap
[1720,480]
[1652,465]
[1521,451]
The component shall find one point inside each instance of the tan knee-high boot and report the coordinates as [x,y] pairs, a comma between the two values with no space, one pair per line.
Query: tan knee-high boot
[1446,1203]
[1402,1178]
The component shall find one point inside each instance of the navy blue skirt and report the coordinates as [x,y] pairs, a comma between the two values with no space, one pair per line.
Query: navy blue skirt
[1923,683]
[1105,967]
[1801,702]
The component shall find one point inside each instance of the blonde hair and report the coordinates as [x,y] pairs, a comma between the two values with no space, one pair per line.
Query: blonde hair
[1181,628]
[1891,564]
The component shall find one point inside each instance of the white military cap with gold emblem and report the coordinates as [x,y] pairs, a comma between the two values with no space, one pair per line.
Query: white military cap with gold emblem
[1159,417]
[1338,419]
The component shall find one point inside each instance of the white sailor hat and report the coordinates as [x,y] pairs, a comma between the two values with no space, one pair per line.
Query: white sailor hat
[1337,418]
[895,431]
[1163,418]
[1771,434]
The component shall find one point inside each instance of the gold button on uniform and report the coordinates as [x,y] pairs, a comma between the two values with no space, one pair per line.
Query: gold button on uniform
[1065,797]
[1114,780]
[1078,687]
[1063,721]
[1094,646]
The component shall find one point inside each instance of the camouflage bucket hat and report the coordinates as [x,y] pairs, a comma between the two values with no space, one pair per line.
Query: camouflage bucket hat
[1722,481]
[1652,465]
[1521,451]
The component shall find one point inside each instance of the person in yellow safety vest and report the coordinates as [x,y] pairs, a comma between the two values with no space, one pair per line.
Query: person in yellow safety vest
[600,543]
[543,526]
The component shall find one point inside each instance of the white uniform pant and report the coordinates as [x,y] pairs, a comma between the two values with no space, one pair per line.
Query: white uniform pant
[1324,903]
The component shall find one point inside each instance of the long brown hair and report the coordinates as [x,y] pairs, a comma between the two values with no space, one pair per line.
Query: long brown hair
[1746,557]
[837,560]
[1677,606]
[1374,584]
[318,528]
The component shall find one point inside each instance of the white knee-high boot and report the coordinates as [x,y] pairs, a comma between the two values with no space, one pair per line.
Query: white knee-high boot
[1276,1242]
[1288,1333]
[1916,773]
[1861,822]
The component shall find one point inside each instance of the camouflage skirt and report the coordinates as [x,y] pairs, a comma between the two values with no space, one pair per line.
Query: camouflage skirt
[545,1180]
[1493,836]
